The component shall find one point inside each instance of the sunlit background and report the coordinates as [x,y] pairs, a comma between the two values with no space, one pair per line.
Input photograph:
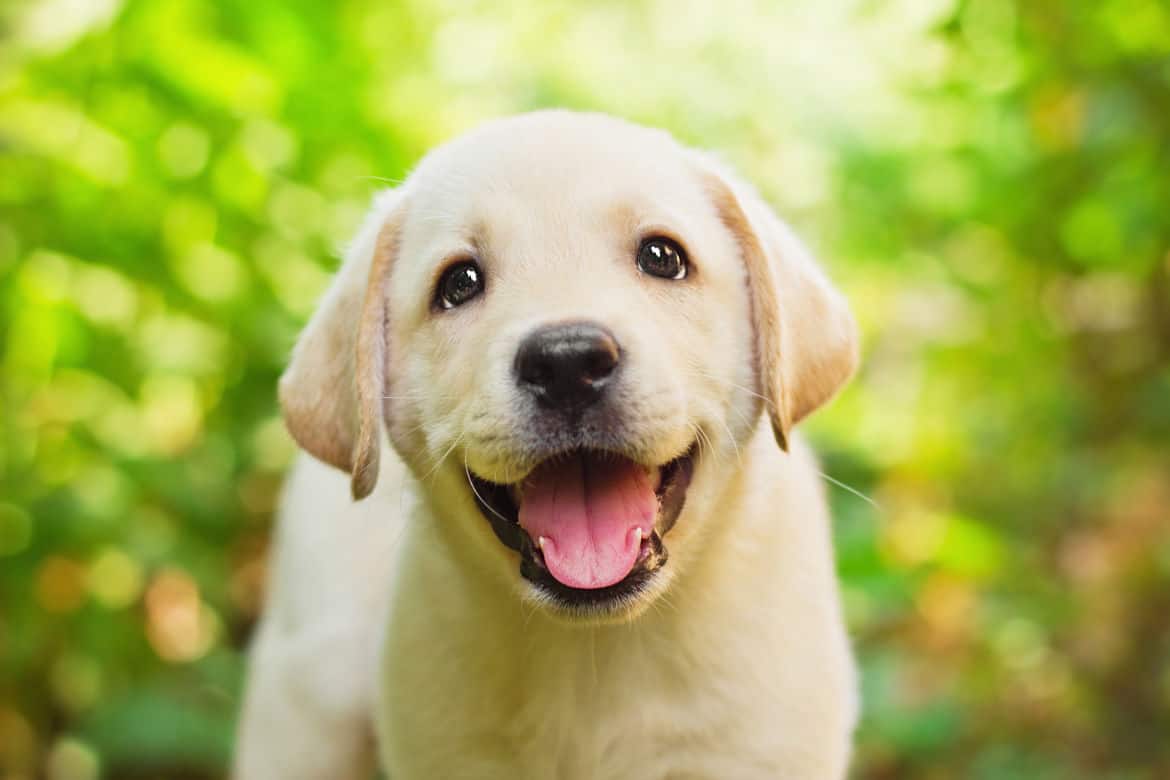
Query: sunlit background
[988,180]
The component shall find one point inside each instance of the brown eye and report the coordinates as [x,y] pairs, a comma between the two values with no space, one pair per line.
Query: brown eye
[459,284]
[663,258]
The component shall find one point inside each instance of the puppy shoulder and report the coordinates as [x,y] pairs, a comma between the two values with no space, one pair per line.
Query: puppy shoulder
[348,546]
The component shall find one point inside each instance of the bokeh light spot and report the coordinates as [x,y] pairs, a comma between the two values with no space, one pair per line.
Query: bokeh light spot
[173,412]
[268,145]
[211,272]
[115,579]
[105,296]
[72,759]
[179,626]
[184,149]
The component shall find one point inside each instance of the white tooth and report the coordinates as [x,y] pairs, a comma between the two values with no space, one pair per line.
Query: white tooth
[540,540]
[646,533]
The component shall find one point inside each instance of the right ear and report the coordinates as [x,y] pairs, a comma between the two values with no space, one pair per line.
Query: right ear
[805,335]
[332,392]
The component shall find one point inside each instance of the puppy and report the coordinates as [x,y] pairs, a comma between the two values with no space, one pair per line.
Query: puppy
[596,548]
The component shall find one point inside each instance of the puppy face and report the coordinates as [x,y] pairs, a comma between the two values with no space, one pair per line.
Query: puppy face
[567,325]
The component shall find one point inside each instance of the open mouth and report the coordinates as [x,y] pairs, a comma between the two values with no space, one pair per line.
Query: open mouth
[588,524]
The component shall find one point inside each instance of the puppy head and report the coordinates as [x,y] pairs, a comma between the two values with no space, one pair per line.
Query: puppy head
[567,324]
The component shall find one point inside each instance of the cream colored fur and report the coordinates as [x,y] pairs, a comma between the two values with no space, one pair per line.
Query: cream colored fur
[399,631]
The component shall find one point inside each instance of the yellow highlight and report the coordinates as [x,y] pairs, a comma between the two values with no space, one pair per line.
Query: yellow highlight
[114,578]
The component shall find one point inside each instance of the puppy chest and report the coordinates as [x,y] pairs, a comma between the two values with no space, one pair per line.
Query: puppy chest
[585,711]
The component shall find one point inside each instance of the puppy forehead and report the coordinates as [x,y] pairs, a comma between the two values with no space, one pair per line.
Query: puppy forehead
[554,173]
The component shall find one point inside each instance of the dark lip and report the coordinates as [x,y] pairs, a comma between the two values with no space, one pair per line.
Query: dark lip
[496,505]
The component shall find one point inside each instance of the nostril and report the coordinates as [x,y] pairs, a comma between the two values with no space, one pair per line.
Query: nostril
[600,361]
[533,368]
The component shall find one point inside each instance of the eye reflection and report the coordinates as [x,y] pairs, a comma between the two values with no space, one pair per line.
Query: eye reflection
[661,257]
[459,284]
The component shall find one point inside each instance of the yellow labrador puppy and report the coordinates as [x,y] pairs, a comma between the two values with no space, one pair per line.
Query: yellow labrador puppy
[596,548]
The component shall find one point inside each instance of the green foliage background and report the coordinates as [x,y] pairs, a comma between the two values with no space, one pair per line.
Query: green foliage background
[989,181]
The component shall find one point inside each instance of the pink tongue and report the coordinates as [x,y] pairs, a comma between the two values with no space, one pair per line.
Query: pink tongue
[591,513]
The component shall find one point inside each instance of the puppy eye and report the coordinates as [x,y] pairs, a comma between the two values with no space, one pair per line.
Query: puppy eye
[663,258]
[459,284]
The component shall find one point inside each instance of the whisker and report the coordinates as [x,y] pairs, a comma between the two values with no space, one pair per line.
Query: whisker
[852,490]
[698,439]
[395,182]
[743,418]
[704,440]
[669,602]
[414,429]
[734,444]
[529,610]
[439,462]
[710,442]
[470,481]
[711,448]
[725,383]
[417,396]
[404,517]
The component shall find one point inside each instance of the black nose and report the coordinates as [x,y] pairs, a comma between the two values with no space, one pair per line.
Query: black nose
[567,366]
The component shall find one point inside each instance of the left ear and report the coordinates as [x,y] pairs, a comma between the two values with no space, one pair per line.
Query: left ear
[332,392]
[805,336]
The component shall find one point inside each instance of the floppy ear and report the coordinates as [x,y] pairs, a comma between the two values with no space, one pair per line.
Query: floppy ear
[332,392]
[805,335]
